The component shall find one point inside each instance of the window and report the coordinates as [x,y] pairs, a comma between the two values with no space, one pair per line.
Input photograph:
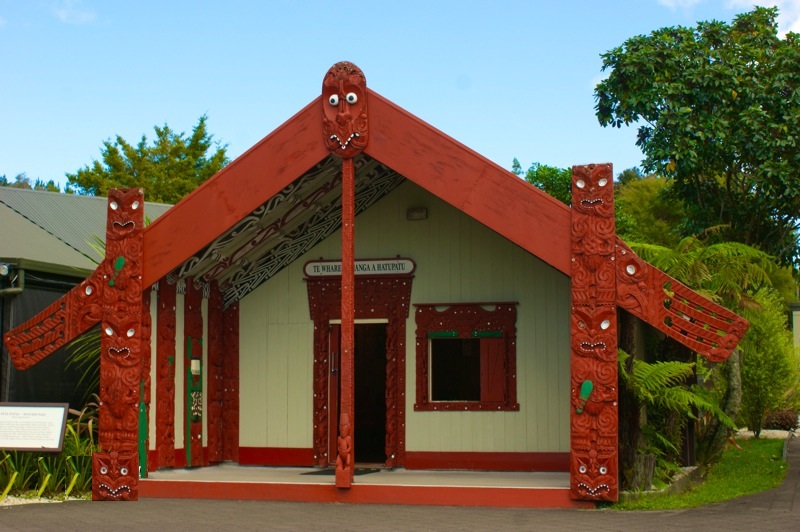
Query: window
[466,357]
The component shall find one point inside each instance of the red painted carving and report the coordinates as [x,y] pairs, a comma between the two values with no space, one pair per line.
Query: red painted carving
[675,309]
[114,476]
[466,319]
[375,297]
[147,330]
[58,324]
[593,330]
[344,110]
[230,383]
[344,470]
[121,363]
[165,376]
[193,389]
[215,391]
[345,129]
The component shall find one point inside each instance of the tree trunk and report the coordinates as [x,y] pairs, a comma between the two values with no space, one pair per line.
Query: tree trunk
[717,434]
[630,435]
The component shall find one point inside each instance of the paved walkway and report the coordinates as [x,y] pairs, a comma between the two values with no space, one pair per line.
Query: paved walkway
[777,509]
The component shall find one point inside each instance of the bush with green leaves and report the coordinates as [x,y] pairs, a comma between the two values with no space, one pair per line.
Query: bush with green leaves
[769,362]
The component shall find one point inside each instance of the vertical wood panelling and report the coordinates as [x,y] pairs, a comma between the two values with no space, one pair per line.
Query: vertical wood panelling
[458,260]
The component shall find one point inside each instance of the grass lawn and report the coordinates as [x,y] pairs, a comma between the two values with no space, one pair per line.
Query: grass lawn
[757,466]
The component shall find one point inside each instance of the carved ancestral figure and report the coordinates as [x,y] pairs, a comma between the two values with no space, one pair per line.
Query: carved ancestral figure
[115,476]
[344,104]
[593,329]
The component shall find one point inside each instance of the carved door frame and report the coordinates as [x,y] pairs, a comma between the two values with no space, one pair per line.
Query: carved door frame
[382,297]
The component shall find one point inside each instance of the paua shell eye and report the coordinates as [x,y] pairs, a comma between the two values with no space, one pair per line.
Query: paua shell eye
[603,470]
[103,470]
[582,469]
[579,183]
[352,97]
[113,205]
[109,331]
[603,182]
[135,205]
[123,471]
[605,324]
[130,333]
[333,100]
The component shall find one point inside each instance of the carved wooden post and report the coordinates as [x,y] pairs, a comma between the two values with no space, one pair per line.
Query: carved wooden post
[115,468]
[344,125]
[165,373]
[593,331]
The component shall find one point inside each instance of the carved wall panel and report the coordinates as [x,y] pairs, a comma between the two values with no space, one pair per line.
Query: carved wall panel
[193,374]
[593,343]
[215,394]
[230,383]
[381,298]
[165,376]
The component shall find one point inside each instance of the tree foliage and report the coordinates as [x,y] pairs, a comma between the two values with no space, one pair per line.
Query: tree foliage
[653,216]
[769,363]
[555,181]
[718,110]
[170,168]
[23,181]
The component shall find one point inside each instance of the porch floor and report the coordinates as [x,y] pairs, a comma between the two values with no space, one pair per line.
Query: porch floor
[398,486]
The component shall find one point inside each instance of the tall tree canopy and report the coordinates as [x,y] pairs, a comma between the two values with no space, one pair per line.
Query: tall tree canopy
[170,168]
[718,110]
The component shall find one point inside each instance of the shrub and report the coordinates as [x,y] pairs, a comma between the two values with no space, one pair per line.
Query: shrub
[769,362]
[781,420]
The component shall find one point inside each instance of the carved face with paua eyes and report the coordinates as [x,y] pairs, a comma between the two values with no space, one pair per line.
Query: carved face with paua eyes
[344,110]
[595,474]
[124,212]
[115,476]
[593,190]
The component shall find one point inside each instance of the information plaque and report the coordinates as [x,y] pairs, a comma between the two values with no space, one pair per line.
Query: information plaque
[32,426]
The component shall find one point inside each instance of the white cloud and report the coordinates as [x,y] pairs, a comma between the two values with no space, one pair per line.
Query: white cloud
[788,12]
[73,12]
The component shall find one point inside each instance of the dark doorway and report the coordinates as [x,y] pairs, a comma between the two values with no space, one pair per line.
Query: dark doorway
[370,393]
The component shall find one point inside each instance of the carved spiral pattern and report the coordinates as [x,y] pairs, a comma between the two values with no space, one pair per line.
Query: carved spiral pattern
[593,330]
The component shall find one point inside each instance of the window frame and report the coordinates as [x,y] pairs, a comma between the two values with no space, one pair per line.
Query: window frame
[486,321]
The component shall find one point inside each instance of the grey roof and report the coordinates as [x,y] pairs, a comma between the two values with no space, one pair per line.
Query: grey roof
[55,228]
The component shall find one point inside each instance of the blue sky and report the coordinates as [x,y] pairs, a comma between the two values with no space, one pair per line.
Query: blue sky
[506,78]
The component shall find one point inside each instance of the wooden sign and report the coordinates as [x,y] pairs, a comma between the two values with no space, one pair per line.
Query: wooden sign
[333,268]
[32,426]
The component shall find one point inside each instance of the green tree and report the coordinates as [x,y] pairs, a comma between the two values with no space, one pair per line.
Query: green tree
[170,168]
[654,216]
[769,362]
[23,181]
[718,110]
[555,181]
